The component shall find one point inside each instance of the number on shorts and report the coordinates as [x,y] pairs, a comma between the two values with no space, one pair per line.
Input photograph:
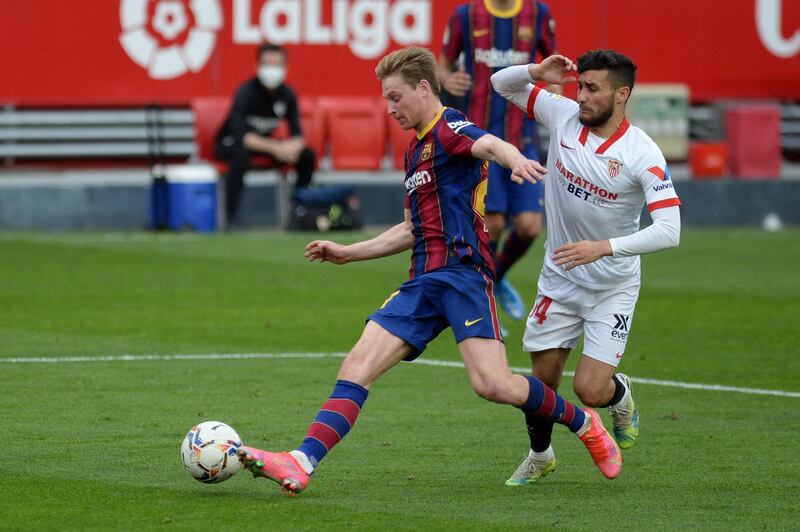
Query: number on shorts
[540,310]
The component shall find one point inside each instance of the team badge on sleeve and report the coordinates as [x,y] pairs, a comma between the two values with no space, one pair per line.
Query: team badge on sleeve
[614,167]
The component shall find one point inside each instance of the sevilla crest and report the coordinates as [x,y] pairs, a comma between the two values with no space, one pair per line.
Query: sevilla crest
[614,167]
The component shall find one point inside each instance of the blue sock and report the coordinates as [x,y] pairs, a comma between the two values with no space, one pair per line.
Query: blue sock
[544,403]
[334,420]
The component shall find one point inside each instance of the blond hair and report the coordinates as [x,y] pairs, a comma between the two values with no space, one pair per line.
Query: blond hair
[413,63]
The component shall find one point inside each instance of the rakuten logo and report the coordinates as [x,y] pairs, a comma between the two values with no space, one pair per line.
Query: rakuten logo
[417,180]
[494,58]
[366,26]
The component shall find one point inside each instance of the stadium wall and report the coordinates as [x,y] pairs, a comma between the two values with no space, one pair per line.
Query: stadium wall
[136,52]
[124,206]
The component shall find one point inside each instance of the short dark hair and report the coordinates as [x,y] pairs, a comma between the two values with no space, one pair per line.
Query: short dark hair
[621,69]
[269,47]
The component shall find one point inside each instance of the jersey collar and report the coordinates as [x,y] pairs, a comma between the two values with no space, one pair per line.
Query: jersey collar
[513,11]
[430,125]
[623,127]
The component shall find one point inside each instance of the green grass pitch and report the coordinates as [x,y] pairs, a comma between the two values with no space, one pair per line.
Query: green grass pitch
[95,445]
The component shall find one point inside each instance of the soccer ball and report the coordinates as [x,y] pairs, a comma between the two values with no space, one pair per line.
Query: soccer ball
[210,452]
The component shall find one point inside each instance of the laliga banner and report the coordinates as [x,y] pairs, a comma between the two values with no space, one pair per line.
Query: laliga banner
[135,52]
[365,26]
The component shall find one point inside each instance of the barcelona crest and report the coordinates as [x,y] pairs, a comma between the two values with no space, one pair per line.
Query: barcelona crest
[427,151]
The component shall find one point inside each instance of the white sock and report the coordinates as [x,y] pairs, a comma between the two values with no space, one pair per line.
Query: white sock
[587,423]
[544,456]
[303,460]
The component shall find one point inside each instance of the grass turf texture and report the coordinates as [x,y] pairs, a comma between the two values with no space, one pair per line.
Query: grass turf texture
[96,445]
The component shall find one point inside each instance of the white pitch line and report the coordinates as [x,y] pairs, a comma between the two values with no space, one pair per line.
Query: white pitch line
[146,358]
[422,361]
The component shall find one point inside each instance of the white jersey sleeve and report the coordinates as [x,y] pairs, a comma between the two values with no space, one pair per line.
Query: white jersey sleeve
[652,173]
[664,233]
[515,85]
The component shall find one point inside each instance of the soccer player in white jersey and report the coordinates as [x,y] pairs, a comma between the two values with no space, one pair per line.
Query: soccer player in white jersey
[601,172]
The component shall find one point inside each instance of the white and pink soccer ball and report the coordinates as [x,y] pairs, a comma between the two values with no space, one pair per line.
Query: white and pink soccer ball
[210,452]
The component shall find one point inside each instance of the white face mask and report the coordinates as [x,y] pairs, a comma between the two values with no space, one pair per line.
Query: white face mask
[271,75]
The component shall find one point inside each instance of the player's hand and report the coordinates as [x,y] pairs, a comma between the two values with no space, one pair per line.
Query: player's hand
[584,252]
[457,83]
[327,251]
[555,69]
[527,170]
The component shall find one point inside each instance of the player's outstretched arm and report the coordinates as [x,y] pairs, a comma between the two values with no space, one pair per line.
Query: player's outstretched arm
[491,148]
[393,240]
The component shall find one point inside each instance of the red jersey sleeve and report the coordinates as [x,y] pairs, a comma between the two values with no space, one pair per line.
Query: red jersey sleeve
[546,44]
[453,38]
[457,134]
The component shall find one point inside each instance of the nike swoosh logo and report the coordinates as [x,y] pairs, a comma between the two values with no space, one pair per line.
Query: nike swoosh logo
[470,323]
[565,146]
[480,33]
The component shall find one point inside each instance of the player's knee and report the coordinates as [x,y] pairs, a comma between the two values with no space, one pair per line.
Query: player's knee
[528,232]
[355,367]
[590,395]
[495,224]
[494,390]
[549,378]
[528,229]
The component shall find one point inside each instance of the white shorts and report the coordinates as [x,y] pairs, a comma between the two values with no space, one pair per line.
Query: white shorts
[563,311]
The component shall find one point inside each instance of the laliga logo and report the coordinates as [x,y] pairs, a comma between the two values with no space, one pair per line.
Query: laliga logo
[365,26]
[768,24]
[170,20]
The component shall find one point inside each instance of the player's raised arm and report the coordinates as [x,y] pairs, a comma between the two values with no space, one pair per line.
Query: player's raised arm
[394,240]
[515,84]
[491,148]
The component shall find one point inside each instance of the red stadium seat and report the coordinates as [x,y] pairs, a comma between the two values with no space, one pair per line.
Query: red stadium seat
[356,131]
[209,113]
[399,139]
[750,155]
[312,122]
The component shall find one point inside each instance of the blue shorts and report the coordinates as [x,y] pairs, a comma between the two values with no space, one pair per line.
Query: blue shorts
[505,196]
[460,297]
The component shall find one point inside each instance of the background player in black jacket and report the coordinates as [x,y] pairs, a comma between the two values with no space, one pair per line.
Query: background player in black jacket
[258,108]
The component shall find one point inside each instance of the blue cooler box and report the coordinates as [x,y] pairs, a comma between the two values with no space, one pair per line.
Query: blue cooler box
[187,201]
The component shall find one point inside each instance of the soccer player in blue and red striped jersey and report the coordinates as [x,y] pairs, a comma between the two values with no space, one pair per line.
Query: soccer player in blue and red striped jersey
[484,36]
[451,280]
